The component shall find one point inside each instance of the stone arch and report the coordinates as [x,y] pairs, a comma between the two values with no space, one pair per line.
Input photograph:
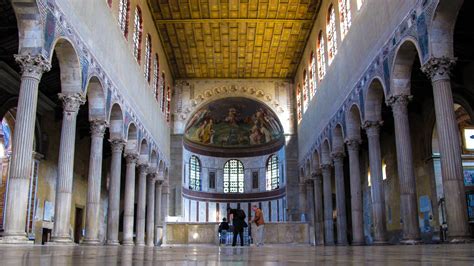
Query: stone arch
[307,171]
[30,26]
[116,122]
[326,152]
[441,30]
[96,98]
[374,100]
[69,64]
[316,161]
[166,177]
[353,122]
[405,55]
[154,161]
[132,139]
[338,139]
[144,151]
[161,168]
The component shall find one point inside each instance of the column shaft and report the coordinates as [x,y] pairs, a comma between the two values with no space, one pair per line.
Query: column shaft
[32,68]
[377,191]
[450,148]
[62,214]
[356,192]
[94,181]
[113,213]
[129,201]
[406,172]
[141,208]
[338,159]
[302,199]
[150,208]
[158,224]
[327,193]
[318,210]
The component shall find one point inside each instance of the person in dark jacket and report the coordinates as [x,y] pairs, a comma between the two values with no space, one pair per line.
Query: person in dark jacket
[238,221]
[223,229]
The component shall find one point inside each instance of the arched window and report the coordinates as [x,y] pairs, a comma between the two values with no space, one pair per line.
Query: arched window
[194,173]
[109,2]
[305,91]
[162,92]
[298,102]
[148,57]
[137,34]
[273,174]
[168,103]
[321,56]
[312,76]
[359,4]
[331,33]
[233,176]
[124,7]
[345,16]
[156,81]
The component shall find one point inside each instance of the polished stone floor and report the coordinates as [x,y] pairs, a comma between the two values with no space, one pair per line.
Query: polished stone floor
[460,254]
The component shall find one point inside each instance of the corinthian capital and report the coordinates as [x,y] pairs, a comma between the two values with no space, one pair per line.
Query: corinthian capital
[372,128]
[117,145]
[72,101]
[399,103]
[438,68]
[32,65]
[98,127]
[353,144]
[131,158]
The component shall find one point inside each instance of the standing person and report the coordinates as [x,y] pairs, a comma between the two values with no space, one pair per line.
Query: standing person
[238,220]
[258,220]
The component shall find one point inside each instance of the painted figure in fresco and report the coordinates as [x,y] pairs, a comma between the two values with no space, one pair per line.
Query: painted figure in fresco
[232,117]
[197,118]
[207,134]
[255,136]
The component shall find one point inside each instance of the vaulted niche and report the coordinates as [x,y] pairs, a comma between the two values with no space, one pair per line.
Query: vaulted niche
[234,127]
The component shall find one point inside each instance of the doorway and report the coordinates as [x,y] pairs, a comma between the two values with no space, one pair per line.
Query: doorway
[78,224]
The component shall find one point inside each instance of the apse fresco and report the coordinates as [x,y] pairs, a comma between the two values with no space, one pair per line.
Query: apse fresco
[234,122]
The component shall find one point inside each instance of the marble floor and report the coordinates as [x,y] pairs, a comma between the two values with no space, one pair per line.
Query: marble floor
[460,254]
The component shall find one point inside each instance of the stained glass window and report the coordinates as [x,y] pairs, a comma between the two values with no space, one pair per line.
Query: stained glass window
[321,56]
[233,176]
[124,7]
[194,173]
[137,34]
[345,16]
[273,175]
[156,69]
[298,102]
[305,91]
[331,33]
[148,57]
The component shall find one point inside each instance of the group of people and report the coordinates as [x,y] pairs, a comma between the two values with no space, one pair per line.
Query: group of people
[237,216]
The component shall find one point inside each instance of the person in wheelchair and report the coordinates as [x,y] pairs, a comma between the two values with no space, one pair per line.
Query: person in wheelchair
[223,229]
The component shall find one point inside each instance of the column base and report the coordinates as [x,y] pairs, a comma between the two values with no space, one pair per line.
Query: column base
[342,244]
[61,241]
[91,242]
[380,243]
[128,243]
[15,240]
[411,242]
[459,240]
[329,244]
[112,243]
[358,244]
[140,244]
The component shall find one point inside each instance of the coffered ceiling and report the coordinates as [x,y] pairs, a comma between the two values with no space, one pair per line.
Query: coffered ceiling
[232,38]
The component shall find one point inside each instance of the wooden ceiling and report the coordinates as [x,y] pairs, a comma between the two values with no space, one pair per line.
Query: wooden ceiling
[232,38]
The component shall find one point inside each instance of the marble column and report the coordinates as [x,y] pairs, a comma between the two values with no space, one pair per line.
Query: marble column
[141,206]
[327,194]
[165,192]
[113,212]
[158,225]
[438,69]
[129,201]
[309,201]
[338,159]
[32,68]
[356,192]
[406,171]
[150,210]
[302,201]
[94,181]
[372,129]
[62,206]
[318,208]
